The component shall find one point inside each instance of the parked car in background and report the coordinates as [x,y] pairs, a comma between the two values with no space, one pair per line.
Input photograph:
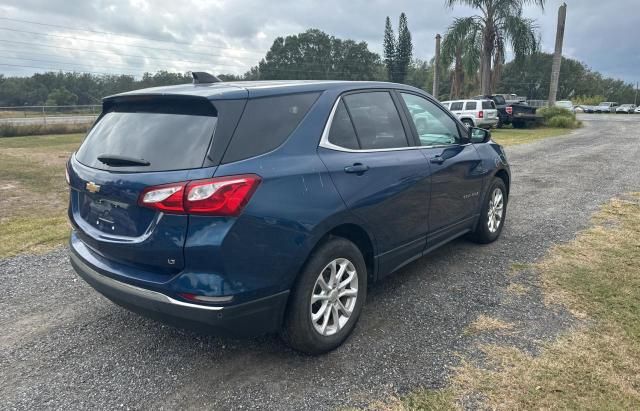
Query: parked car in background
[626,109]
[520,114]
[566,104]
[589,109]
[256,207]
[606,107]
[474,113]
[578,109]
[637,110]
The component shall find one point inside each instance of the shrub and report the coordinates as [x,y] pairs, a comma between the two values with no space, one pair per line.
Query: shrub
[562,122]
[549,112]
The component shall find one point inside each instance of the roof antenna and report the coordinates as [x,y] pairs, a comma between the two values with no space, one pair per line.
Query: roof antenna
[202,77]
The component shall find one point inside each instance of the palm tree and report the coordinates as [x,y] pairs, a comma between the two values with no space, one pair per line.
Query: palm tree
[461,47]
[499,22]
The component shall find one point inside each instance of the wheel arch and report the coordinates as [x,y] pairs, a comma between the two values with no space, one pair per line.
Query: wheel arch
[356,234]
[504,176]
[463,118]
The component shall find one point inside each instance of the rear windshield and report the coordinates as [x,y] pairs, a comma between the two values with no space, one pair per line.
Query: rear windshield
[166,141]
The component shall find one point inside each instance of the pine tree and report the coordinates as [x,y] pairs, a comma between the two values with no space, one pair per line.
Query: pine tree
[390,47]
[404,50]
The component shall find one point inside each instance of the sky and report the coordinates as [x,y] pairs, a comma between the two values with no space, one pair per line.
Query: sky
[224,36]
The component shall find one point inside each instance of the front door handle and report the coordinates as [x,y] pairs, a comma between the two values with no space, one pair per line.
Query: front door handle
[357,168]
[437,160]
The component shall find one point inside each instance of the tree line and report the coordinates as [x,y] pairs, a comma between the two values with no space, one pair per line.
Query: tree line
[473,62]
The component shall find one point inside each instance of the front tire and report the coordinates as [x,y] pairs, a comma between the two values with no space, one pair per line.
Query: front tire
[327,299]
[492,215]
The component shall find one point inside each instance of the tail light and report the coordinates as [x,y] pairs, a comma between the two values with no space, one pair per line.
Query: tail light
[480,114]
[222,196]
[509,110]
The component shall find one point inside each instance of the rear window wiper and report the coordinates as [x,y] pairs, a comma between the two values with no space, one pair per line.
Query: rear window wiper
[115,160]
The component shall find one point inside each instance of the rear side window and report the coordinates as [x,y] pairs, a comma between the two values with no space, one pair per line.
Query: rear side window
[470,105]
[488,105]
[266,123]
[342,133]
[376,120]
[456,106]
[159,133]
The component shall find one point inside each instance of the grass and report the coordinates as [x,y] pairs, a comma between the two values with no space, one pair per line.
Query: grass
[512,136]
[13,130]
[595,366]
[33,192]
[517,289]
[484,323]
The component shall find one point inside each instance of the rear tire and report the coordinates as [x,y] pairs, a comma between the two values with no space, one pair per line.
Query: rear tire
[327,299]
[493,214]
[519,124]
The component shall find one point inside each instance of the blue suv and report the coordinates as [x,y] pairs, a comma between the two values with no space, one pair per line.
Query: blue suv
[256,207]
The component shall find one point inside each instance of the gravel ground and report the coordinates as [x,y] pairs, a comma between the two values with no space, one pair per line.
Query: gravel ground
[64,346]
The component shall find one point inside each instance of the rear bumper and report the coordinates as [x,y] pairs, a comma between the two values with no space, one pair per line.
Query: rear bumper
[260,316]
[487,122]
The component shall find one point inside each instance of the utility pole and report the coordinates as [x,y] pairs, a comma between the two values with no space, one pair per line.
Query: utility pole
[436,69]
[635,100]
[557,56]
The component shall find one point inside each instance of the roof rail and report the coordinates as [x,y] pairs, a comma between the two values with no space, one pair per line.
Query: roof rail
[202,77]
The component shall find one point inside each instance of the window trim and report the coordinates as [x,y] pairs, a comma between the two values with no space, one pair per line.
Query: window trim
[325,143]
[324,140]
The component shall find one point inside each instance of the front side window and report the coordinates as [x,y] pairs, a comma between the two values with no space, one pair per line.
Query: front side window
[433,125]
[376,120]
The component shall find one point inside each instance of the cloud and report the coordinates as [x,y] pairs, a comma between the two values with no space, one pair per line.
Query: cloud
[230,36]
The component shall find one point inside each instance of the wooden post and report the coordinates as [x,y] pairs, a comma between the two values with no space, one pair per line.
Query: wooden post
[557,56]
[436,70]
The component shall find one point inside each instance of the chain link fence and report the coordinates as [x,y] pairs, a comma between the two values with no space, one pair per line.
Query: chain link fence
[47,115]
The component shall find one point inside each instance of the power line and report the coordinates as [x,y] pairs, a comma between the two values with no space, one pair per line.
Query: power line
[119,44]
[65,63]
[71,71]
[351,63]
[140,57]
[101,52]
[297,71]
[122,35]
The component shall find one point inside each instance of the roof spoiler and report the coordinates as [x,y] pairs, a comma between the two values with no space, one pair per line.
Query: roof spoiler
[202,77]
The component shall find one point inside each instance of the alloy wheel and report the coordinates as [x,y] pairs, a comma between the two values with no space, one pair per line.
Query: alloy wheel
[334,296]
[496,210]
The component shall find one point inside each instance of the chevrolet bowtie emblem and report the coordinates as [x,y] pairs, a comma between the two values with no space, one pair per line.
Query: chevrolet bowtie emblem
[92,187]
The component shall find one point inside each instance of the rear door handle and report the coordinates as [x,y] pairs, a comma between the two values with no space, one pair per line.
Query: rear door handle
[437,160]
[357,168]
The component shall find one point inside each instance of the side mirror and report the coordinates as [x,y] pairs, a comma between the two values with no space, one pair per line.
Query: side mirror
[479,135]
